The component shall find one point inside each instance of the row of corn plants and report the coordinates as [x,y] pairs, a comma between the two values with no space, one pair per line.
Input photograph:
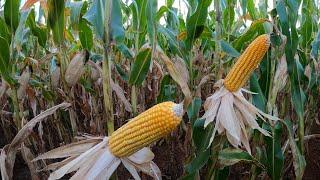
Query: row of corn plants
[175,90]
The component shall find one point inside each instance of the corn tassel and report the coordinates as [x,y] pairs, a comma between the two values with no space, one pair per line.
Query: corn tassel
[247,63]
[146,128]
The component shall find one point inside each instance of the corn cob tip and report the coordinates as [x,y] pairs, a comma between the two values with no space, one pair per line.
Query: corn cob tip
[178,109]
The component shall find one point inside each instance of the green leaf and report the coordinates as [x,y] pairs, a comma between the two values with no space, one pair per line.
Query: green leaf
[117,31]
[228,157]
[255,27]
[76,8]
[56,19]
[95,16]
[4,31]
[85,35]
[140,67]
[125,50]
[275,158]
[227,48]
[11,13]
[20,34]
[151,12]
[196,22]
[198,162]
[39,32]
[315,46]
[251,9]
[5,64]
[299,160]
[258,99]
[122,73]
[167,90]
[193,110]
[228,15]
[200,135]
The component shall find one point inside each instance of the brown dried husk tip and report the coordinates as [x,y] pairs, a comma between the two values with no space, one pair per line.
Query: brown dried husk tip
[247,63]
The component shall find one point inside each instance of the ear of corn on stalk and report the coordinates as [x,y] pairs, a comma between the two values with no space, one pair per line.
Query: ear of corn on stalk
[99,157]
[228,108]
[246,63]
[146,128]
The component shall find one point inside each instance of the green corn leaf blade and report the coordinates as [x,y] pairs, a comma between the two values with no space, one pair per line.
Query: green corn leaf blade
[167,89]
[56,21]
[253,30]
[229,15]
[95,16]
[259,100]
[315,46]
[5,64]
[227,48]
[39,31]
[20,34]
[151,12]
[125,50]
[193,110]
[251,9]
[198,162]
[85,35]
[122,73]
[117,31]
[228,157]
[11,13]
[76,10]
[170,36]
[4,31]
[201,136]
[275,157]
[196,22]
[299,160]
[140,67]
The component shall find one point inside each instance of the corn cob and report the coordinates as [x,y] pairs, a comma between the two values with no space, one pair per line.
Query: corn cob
[247,62]
[146,128]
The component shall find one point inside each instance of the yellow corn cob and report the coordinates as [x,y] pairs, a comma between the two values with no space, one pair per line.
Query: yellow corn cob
[146,128]
[247,62]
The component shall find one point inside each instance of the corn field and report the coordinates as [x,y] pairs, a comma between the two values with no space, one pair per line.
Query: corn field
[147,89]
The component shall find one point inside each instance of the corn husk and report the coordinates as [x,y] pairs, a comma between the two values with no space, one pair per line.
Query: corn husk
[75,69]
[233,115]
[92,159]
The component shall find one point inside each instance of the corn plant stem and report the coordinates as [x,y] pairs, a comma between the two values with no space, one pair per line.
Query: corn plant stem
[134,100]
[106,75]
[15,101]
[218,37]
[70,92]
[301,134]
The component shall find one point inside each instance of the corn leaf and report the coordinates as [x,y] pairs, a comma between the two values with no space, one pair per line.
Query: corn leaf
[140,67]
[11,13]
[85,35]
[196,22]
[299,160]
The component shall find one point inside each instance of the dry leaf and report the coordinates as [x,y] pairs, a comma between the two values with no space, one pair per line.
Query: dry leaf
[55,77]
[179,72]
[23,81]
